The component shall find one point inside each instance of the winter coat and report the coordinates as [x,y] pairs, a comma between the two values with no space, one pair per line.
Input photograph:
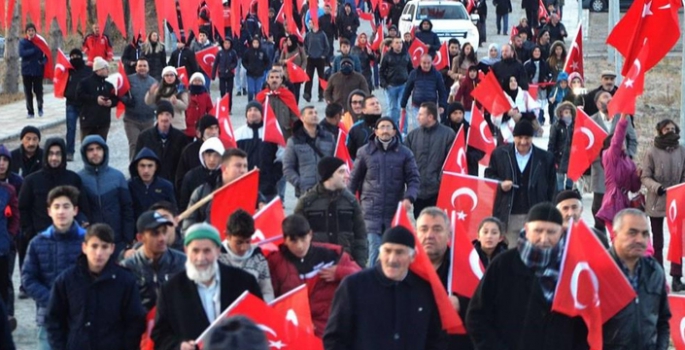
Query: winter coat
[507,68]
[198,105]
[254,263]
[556,32]
[144,196]
[102,312]
[424,87]
[225,63]
[383,178]
[541,67]
[134,100]
[263,155]
[9,222]
[327,25]
[371,312]
[396,12]
[509,311]
[88,91]
[661,168]
[49,254]
[316,45]
[26,166]
[167,150]
[642,324]
[560,136]
[466,86]
[542,182]
[340,86]
[33,60]
[430,146]
[286,276]
[132,52]
[156,58]
[255,61]
[620,175]
[302,155]
[11,178]
[343,20]
[200,174]
[150,276]
[97,45]
[428,37]
[75,77]
[395,68]
[589,99]
[180,315]
[359,135]
[178,121]
[502,7]
[336,218]
[597,170]
[188,161]
[184,58]
[473,155]
[285,116]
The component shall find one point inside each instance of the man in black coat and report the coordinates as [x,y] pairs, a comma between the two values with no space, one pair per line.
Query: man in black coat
[327,26]
[207,127]
[184,57]
[97,98]
[79,72]
[186,307]
[608,78]
[428,37]
[27,158]
[512,307]
[510,67]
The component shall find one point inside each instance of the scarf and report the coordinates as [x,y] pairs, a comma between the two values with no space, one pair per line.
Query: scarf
[667,142]
[167,90]
[544,263]
[285,95]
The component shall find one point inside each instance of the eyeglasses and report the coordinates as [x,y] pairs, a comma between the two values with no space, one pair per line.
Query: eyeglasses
[356,102]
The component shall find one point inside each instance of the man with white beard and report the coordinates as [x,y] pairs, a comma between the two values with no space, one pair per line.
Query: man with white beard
[190,301]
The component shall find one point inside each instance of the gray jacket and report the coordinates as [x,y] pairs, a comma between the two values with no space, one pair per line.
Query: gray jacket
[597,171]
[151,276]
[316,44]
[430,147]
[661,168]
[134,100]
[302,155]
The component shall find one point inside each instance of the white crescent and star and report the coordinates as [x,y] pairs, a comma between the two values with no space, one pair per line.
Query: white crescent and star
[672,211]
[461,159]
[482,127]
[258,236]
[647,10]
[681,327]
[474,262]
[580,267]
[209,55]
[268,330]
[468,192]
[292,317]
[590,137]
[438,58]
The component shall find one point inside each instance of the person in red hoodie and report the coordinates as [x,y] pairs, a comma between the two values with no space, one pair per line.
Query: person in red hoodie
[321,266]
[97,44]
[200,103]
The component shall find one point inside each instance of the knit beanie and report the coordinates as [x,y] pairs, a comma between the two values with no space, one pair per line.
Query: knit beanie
[29,129]
[169,69]
[164,106]
[327,167]
[255,104]
[385,119]
[99,63]
[75,52]
[202,230]
[205,122]
[524,128]
[237,332]
[399,235]
[545,211]
[568,194]
[197,75]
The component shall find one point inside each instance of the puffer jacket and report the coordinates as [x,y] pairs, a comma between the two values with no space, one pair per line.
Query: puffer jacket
[255,61]
[134,100]
[33,60]
[642,324]
[225,63]
[424,87]
[263,155]
[75,76]
[48,255]
[88,91]
[302,155]
[199,104]
[144,196]
[395,68]
[560,136]
[430,146]
[428,37]
[151,276]
[108,194]
[383,178]
[335,217]
[9,222]
[661,168]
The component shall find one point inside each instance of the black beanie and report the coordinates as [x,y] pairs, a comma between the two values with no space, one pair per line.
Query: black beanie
[454,106]
[206,121]
[385,119]
[29,129]
[545,211]
[399,235]
[75,52]
[327,167]
[255,104]
[164,106]
[568,194]
[524,128]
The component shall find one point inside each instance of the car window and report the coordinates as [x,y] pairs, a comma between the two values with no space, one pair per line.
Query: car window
[411,10]
[441,12]
[406,10]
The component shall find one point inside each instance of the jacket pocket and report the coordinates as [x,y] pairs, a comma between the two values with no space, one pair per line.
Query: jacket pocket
[345,221]
[317,220]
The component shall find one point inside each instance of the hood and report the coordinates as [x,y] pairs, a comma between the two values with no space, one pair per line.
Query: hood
[5,152]
[453,107]
[90,139]
[144,153]
[563,76]
[348,106]
[54,141]
[576,75]
[554,46]
[425,21]
[211,144]
[565,104]
[490,61]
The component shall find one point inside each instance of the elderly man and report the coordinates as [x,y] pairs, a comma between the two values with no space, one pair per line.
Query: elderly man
[385,306]
[642,324]
[570,205]
[191,301]
[511,309]
[97,97]
[608,83]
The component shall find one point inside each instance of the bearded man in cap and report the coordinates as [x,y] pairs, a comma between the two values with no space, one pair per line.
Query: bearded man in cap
[386,306]
[512,307]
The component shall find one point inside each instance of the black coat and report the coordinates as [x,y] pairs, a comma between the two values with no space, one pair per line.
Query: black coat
[188,161]
[194,179]
[131,54]
[225,63]
[255,61]
[589,100]
[371,312]
[87,93]
[344,20]
[184,58]
[507,68]
[168,152]
[327,26]
[503,7]
[509,311]
[180,315]
[26,166]
[75,77]
[544,74]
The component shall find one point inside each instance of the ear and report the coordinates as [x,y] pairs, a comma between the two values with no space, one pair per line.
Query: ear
[139,237]
[84,245]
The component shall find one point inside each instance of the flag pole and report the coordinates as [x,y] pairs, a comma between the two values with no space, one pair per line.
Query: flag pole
[682,88]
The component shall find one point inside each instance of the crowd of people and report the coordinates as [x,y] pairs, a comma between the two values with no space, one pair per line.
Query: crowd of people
[99,249]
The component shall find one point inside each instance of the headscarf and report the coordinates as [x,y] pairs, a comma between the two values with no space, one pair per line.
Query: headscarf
[490,61]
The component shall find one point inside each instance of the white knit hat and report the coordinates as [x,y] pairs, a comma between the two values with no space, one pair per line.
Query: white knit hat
[197,75]
[99,63]
[169,69]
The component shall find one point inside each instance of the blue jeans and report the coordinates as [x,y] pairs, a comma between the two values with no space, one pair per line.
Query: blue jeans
[393,94]
[208,81]
[254,85]
[412,121]
[503,18]
[374,240]
[72,119]
[43,339]
[563,183]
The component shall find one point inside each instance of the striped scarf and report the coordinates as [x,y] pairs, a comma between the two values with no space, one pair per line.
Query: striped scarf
[545,263]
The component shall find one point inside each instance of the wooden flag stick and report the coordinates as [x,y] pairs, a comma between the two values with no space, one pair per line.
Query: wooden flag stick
[191,209]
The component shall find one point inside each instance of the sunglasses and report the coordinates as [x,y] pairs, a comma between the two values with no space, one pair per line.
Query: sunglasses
[356,102]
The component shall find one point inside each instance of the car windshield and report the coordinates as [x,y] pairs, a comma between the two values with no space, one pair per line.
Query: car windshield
[440,12]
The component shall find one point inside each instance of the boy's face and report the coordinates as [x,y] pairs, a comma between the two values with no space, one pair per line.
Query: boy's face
[239,245]
[98,252]
[62,212]
[299,246]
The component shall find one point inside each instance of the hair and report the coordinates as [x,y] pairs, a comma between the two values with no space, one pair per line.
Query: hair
[664,123]
[471,56]
[232,152]
[237,332]
[432,109]
[240,224]
[142,58]
[453,41]
[599,93]
[295,226]
[71,192]
[618,219]
[165,205]
[436,212]
[333,109]
[552,60]
[494,220]
[101,231]
[277,72]
[305,108]
[344,41]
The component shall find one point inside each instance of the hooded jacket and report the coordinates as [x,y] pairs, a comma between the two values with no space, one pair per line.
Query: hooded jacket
[9,222]
[108,193]
[560,136]
[144,196]
[343,20]
[80,72]
[131,54]
[261,154]
[349,118]
[340,86]
[199,175]
[424,87]
[428,37]
[225,63]
[360,133]
[88,91]
[33,60]
[255,61]
[302,155]
[12,178]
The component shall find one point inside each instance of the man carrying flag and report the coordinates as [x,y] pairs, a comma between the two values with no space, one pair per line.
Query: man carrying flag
[33,64]
[281,101]
[79,72]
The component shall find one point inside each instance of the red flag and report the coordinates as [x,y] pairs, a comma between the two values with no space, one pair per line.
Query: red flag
[205,59]
[512,33]
[586,144]
[222,114]
[61,76]
[542,11]
[3,17]
[450,320]
[384,9]
[675,204]
[31,8]
[146,342]
[632,86]
[482,139]
[341,149]
[470,5]
[121,86]
[295,306]
[590,283]
[216,16]
[137,13]
[574,60]
[456,158]
[78,14]
[241,193]
[471,198]
[296,73]
[58,10]
[314,12]
[442,57]
[323,83]
[416,50]
[267,223]
[183,75]
[533,90]
[272,131]
[403,119]
[280,16]
[115,9]
[676,302]
[263,16]
[42,44]
[189,17]
[378,39]
[466,270]
[652,21]
[236,16]
[490,95]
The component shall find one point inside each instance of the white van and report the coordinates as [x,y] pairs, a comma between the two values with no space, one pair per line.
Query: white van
[449,18]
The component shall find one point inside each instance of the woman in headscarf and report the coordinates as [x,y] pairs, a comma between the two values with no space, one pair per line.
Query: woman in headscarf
[538,73]
[154,51]
[173,91]
[524,108]
[493,57]
[295,53]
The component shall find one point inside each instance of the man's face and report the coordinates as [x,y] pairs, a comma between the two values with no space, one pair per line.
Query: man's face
[433,234]
[96,29]
[345,49]
[274,80]
[30,142]
[397,45]
[570,209]
[631,237]
[97,252]
[340,178]
[425,26]
[608,82]
[327,9]
[506,52]
[62,212]
[523,144]
[310,117]
[164,122]
[357,104]
[392,33]
[253,115]
[407,37]
[518,42]
[155,240]
[146,169]
[566,113]
[424,117]
[202,37]
[453,49]
[142,67]
[55,156]
[104,72]
[385,131]
[4,165]
[95,154]
[426,63]
[233,168]
[255,44]
[543,234]
[457,116]
[395,260]
[169,229]
[348,9]
[603,102]
[299,246]
[202,253]
[31,33]
[372,107]
[239,245]
[180,45]
[212,160]
[211,131]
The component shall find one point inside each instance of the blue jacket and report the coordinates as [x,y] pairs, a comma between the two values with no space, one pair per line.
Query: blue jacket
[424,87]
[32,59]
[9,224]
[108,194]
[49,254]
[142,195]
[428,37]
[103,313]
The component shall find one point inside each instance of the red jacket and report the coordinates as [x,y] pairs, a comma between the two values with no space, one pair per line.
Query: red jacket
[465,87]
[285,277]
[94,46]
[198,106]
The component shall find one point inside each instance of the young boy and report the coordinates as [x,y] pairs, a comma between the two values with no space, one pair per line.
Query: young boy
[95,304]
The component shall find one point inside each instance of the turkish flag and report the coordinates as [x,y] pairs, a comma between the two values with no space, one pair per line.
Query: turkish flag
[384,9]
[590,285]
[466,269]
[367,16]
[137,13]
[574,59]
[675,208]
[267,224]
[471,198]
[456,158]
[341,150]
[514,31]
[490,95]
[403,119]
[146,342]
[121,86]
[222,114]
[586,144]
[652,21]
[57,10]
[183,75]
[422,266]
[442,57]
[480,137]
[272,130]
[295,306]
[241,193]
[676,302]
[533,91]
[42,44]
[323,83]
[632,86]
[378,39]
[416,50]
[263,16]
[205,58]
[542,11]
[115,9]
[296,73]
[61,76]
[280,16]
[470,5]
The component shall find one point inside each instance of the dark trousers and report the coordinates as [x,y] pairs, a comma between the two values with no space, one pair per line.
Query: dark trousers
[422,203]
[320,65]
[10,271]
[226,87]
[33,85]
[596,205]
[94,130]
[658,238]
[532,16]
[4,278]
[296,91]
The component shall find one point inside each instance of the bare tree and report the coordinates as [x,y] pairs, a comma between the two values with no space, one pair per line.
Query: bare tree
[10,83]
